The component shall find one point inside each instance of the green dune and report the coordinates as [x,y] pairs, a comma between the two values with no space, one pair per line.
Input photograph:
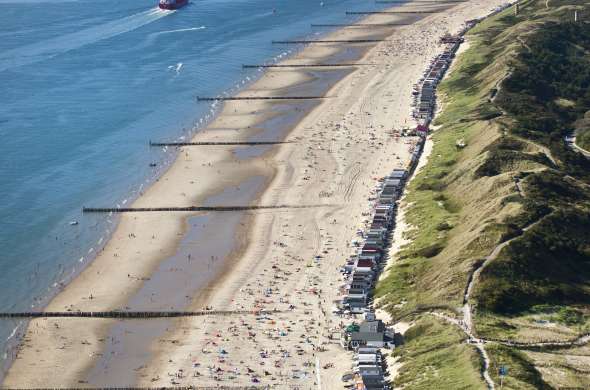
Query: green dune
[512,97]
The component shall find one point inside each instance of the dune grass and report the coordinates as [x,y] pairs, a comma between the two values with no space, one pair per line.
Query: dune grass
[583,132]
[511,98]
[435,356]
[437,195]
[520,372]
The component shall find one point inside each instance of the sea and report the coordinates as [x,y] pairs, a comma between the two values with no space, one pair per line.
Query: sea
[85,85]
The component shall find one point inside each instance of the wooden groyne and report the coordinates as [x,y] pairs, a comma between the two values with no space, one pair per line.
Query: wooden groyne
[220,98]
[425,2]
[303,65]
[191,387]
[189,209]
[388,12]
[134,314]
[367,25]
[305,41]
[246,143]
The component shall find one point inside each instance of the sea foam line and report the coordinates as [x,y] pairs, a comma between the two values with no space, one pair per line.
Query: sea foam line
[13,333]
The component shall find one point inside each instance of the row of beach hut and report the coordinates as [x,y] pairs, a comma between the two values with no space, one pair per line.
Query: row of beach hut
[361,270]
[424,102]
[368,369]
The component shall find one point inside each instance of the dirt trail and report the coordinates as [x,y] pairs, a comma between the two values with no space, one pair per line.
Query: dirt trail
[581,340]
[478,343]
[578,148]
[466,323]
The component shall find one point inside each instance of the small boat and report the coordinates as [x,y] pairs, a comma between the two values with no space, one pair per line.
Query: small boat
[172,4]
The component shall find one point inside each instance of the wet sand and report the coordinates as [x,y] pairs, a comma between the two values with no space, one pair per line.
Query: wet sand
[343,144]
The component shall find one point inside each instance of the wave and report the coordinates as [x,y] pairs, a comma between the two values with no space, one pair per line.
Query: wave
[176,67]
[180,30]
[13,332]
[47,49]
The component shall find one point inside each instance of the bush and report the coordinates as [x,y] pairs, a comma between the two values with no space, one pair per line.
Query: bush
[570,316]
[553,70]
[549,264]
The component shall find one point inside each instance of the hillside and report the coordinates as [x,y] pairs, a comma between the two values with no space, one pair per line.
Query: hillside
[509,212]
[583,132]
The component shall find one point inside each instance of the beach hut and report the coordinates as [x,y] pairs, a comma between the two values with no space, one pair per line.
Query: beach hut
[400,174]
[356,302]
[372,377]
[422,130]
[359,287]
[372,334]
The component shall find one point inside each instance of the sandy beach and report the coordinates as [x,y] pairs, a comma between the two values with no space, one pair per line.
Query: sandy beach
[285,259]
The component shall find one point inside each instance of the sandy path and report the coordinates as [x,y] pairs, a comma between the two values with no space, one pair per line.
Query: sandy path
[347,144]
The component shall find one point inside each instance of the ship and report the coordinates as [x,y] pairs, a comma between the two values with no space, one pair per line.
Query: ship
[172,4]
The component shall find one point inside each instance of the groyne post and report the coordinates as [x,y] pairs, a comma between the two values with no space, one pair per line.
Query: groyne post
[365,25]
[135,314]
[191,208]
[212,143]
[246,66]
[220,98]
[425,2]
[388,12]
[306,41]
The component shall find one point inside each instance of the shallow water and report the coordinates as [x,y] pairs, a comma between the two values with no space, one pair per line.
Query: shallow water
[85,86]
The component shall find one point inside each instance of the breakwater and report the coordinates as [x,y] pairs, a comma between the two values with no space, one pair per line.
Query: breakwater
[133,314]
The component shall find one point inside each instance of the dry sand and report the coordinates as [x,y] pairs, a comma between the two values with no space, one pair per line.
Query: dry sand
[344,145]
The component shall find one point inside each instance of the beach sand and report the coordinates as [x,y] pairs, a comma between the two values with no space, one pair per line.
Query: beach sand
[285,259]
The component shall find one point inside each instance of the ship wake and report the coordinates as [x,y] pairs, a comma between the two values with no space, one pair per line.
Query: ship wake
[50,48]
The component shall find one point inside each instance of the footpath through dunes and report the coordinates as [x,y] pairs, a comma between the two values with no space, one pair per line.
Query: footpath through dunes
[498,256]
[285,260]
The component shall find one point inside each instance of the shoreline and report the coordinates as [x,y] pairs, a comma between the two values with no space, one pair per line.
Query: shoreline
[180,225]
[193,333]
[109,225]
[294,81]
[224,158]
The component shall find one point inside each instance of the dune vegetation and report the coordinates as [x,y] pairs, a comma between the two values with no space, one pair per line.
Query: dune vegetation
[514,186]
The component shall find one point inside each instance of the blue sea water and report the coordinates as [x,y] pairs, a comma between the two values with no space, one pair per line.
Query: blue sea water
[84,86]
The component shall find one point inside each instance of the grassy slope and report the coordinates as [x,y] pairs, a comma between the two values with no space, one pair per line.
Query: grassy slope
[435,356]
[584,139]
[465,201]
[583,132]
